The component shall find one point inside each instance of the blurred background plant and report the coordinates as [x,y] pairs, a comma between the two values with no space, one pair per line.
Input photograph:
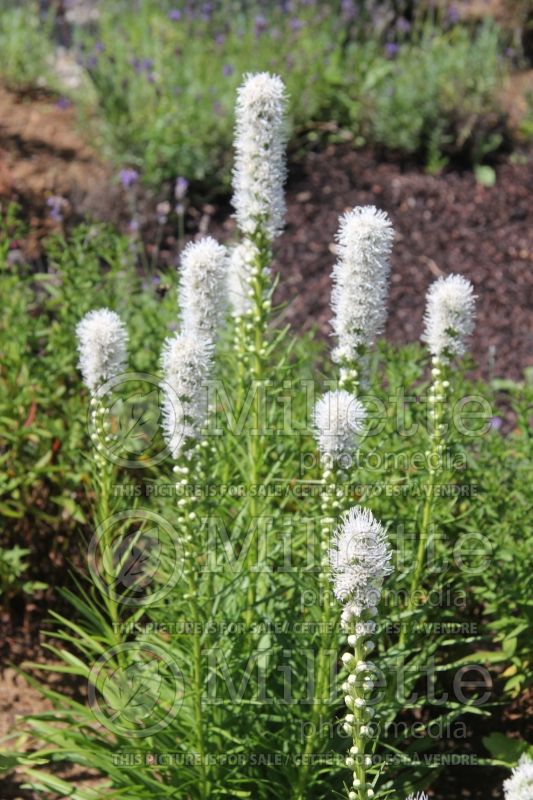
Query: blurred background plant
[155,81]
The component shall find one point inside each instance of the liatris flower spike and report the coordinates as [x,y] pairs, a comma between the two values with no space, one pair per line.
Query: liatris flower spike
[520,785]
[260,171]
[360,285]
[360,559]
[187,362]
[202,289]
[102,347]
[449,318]
[339,423]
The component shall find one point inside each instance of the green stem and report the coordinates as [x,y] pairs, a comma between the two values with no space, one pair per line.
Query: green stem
[438,403]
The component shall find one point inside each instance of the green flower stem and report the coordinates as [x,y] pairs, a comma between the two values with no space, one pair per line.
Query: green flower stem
[437,401]
[103,474]
[358,687]
[255,330]
[190,473]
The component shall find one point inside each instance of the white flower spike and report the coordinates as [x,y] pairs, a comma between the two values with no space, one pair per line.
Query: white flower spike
[339,423]
[520,785]
[102,347]
[260,169]
[202,289]
[418,796]
[360,280]
[360,558]
[449,318]
[187,363]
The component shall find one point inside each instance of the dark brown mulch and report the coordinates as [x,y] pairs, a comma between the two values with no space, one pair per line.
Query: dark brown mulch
[443,224]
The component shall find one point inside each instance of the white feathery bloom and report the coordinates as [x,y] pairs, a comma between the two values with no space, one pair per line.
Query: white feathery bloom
[260,170]
[418,796]
[360,280]
[360,558]
[202,291]
[187,362]
[241,263]
[520,785]
[339,423]
[449,318]
[102,347]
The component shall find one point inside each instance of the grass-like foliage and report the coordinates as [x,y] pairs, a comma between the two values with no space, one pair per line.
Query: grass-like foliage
[213,653]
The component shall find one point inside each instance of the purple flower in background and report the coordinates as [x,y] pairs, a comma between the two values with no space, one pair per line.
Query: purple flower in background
[227,69]
[260,24]
[63,103]
[220,38]
[133,226]
[180,189]
[56,205]
[403,25]
[452,14]
[496,423]
[207,10]
[99,47]
[174,15]
[91,61]
[391,49]
[128,177]
[348,9]
[296,24]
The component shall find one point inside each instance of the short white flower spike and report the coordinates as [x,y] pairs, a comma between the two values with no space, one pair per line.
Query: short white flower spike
[102,347]
[241,263]
[260,169]
[520,785]
[418,796]
[360,280]
[202,291]
[339,423]
[360,558]
[449,318]
[187,363]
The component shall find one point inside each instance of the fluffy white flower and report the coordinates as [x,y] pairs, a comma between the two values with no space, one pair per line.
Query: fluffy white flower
[202,291]
[360,280]
[339,422]
[360,558]
[520,785]
[449,318]
[102,347]
[418,796]
[241,263]
[187,363]
[260,169]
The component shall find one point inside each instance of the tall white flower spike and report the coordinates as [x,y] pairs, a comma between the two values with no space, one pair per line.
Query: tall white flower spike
[102,347]
[260,169]
[339,424]
[449,318]
[360,281]
[360,558]
[187,362]
[202,291]
[520,785]
[418,796]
